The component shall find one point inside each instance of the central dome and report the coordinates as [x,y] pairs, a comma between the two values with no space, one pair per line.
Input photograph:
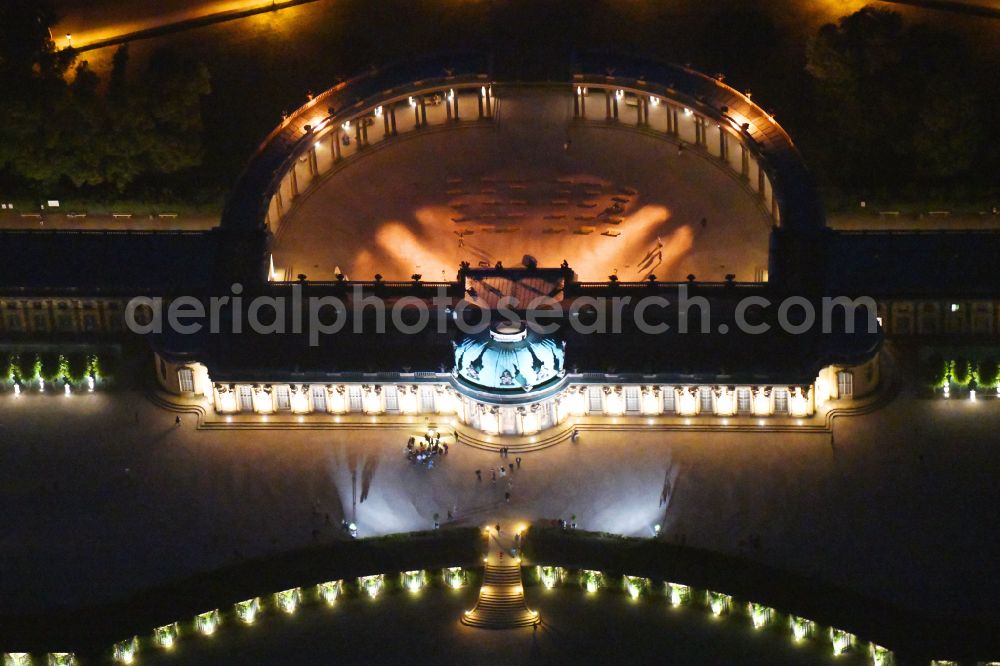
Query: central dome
[508,357]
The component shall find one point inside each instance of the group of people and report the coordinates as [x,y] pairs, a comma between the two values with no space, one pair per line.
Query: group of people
[423,449]
[502,471]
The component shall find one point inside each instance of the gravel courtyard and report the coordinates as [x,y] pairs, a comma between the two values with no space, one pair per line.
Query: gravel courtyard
[102,495]
[499,191]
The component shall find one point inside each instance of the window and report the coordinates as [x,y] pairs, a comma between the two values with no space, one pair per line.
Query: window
[596,403]
[391,399]
[705,396]
[13,322]
[185,377]
[508,421]
[668,399]
[845,384]
[246,398]
[89,322]
[780,401]
[354,395]
[281,398]
[743,400]
[319,398]
[427,400]
[546,416]
[631,398]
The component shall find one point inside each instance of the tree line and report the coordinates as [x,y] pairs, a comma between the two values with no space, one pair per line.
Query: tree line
[63,128]
[23,368]
[900,107]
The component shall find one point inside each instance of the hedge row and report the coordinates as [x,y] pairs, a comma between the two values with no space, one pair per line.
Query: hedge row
[74,367]
[961,371]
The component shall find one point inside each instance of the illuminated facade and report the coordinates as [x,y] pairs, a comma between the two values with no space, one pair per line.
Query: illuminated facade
[510,379]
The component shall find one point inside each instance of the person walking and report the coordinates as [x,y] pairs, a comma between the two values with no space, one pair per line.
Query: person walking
[479,475]
[177,421]
[518,461]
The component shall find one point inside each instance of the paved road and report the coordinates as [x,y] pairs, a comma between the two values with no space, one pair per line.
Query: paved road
[95,24]
[136,222]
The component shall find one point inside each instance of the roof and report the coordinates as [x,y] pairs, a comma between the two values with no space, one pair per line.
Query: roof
[508,357]
[112,262]
[590,354]
[938,264]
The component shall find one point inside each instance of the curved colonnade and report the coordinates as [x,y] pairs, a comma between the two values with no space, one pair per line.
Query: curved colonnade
[673,102]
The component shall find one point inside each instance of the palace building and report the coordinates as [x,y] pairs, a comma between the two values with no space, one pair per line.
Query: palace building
[482,171]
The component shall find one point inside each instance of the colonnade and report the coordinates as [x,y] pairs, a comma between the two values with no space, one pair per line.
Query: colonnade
[683,124]
[392,117]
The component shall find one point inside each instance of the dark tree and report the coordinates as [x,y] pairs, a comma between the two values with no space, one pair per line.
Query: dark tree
[988,372]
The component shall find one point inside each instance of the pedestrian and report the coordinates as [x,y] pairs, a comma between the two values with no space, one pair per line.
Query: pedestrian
[177,420]
[503,471]
[511,466]
[506,497]
[454,433]
[479,475]
[518,460]
[576,434]
[445,445]
[680,148]
[498,529]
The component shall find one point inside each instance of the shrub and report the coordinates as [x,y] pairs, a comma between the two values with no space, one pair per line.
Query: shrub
[48,365]
[935,369]
[77,365]
[25,367]
[961,371]
[987,372]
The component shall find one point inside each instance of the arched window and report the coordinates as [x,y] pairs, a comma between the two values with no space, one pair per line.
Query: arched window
[185,377]
[780,401]
[845,384]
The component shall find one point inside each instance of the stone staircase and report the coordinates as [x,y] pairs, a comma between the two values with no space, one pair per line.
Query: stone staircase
[501,599]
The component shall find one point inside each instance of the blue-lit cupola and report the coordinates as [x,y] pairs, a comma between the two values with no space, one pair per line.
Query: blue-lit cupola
[508,358]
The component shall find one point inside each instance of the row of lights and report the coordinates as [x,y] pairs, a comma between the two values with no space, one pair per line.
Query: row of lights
[51,658]
[719,604]
[246,612]
[946,392]
[67,386]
